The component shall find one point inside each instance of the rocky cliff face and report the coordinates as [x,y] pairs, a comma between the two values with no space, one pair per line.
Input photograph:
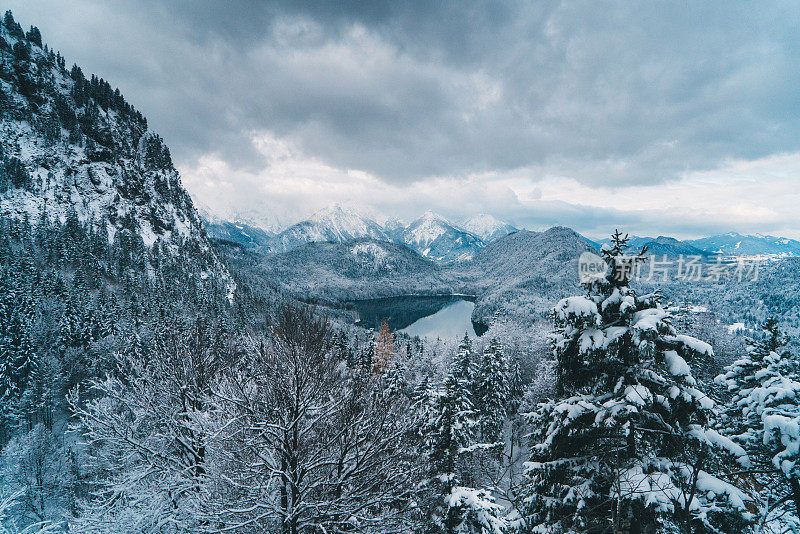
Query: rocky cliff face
[71,143]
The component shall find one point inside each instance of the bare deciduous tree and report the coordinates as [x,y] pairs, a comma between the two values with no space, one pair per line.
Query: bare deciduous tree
[312,447]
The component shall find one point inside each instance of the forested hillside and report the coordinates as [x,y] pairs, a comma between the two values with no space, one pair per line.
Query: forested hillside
[155,381]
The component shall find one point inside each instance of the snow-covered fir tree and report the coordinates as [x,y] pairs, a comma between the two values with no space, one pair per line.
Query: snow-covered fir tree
[463,366]
[516,388]
[449,430]
[491,387]
[764,416]
[627,444]
[394,379]
[18,358]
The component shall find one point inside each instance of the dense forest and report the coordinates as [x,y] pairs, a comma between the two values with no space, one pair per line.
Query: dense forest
[152,380]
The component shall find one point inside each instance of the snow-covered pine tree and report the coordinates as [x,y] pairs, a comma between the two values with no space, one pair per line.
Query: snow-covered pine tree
[342,348]
[463,372]
[764,416]
[363,359]
[626,445]
[516,388]
[394,379]
[491,392]
[18,359]
[463,368]
[448,430]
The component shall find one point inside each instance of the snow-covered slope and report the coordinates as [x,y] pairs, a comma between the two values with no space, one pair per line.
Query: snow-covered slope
[518,258]
[394,228]
[527,271]
[68,143]
[250,237]
[362,268]
[487,227]
[661,246]
[748,245]
[334,224]
[435,238]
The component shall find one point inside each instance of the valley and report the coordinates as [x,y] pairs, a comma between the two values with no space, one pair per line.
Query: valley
[164,369]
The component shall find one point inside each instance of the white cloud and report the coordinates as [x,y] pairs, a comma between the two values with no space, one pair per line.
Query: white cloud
[749,196]
[661,118]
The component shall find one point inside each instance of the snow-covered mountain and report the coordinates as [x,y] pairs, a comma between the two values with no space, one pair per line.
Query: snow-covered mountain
[250,237]
[435,238]
[730,244]
[73,146]
[394,228]
[735,244]
[358,269]
[334,224]
[487,227]
[432,236]
[661,246]
[669,246]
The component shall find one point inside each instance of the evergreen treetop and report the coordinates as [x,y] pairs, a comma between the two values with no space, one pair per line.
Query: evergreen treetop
[629,437]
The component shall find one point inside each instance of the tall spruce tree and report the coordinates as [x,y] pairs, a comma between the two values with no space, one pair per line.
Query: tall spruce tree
[448,430]
[764,416]
[627,444]
[463,367]
[492,392]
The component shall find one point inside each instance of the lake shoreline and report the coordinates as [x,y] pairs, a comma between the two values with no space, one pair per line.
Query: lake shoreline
[433,315]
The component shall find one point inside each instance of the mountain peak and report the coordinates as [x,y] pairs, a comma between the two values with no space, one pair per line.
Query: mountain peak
[435,238]
[333,223]
[488,227]
[432,216]
[331,212]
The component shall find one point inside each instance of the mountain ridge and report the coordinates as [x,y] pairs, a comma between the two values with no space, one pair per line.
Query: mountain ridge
[434,237]
[72,146]
[488,227]
[431,235]
[736,244]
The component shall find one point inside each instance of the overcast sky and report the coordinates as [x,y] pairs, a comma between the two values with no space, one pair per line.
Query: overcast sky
[678,118]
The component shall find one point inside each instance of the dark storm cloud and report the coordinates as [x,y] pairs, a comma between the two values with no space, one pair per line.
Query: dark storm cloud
[621,92]
[607,93]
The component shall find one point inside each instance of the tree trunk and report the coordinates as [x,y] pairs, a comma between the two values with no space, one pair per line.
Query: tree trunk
[795,484]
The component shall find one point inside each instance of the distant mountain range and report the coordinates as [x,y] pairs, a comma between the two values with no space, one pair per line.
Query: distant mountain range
[431,235]
[730,244]
[662,246]
[333,224]
[435,238]
[734,244]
